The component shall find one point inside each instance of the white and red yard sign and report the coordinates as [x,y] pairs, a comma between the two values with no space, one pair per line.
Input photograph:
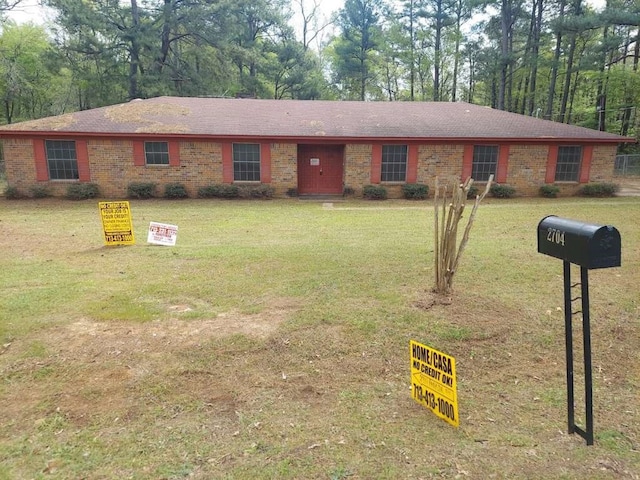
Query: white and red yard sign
[162,234]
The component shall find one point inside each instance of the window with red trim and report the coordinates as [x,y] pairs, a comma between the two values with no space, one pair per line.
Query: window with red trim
[62,159]
[246,162]
[394,163]
[568,164]
[156,153]
[485,162]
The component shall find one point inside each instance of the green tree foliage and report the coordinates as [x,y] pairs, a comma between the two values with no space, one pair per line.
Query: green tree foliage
[27,72]
[555,59]
[354,51]
[118,50]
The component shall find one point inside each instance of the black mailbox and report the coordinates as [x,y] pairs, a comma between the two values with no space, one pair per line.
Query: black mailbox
[584,244]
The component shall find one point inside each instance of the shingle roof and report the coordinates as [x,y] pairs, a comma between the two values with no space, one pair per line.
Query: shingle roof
[296,119]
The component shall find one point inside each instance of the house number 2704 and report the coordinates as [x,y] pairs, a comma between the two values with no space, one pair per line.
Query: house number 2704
[555,236]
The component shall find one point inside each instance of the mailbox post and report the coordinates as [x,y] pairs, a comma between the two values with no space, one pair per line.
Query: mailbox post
[588,246]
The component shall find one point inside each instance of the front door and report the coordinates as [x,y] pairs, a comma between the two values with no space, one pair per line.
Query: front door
[320,169]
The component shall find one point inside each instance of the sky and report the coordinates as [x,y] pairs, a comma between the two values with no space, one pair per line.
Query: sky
[29,10]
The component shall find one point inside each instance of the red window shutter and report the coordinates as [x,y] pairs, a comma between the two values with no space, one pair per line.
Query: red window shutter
[265,163]
[227,163]
[585,168]
[82,156]
[552,160]
[174,154]
[40,157]
[412,167]
[503,164]
[467,162]
[138,153]
[376,163]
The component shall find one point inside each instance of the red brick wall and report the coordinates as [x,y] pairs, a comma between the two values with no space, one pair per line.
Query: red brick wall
[442,161]
[20,163]
[284,167]
[527,168]
[111,166]
[602,163]
[357,166]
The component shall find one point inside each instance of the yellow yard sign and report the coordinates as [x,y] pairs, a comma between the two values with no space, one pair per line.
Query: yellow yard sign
[116,223]
[433,381]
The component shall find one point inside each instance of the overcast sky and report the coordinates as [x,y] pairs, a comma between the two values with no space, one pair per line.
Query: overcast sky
[29,10]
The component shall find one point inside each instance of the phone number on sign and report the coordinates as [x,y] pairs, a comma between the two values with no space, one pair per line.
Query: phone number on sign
[433,401]
[119,238]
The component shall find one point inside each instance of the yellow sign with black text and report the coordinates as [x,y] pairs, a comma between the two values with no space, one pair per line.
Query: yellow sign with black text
[116,223]
[433,381]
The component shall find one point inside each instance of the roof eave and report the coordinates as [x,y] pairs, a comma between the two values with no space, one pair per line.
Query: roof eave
[313,138]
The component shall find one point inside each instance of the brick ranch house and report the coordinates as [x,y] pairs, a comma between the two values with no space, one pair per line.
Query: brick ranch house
[312,147]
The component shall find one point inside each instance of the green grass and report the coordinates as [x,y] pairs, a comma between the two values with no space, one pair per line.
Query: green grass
[272,342]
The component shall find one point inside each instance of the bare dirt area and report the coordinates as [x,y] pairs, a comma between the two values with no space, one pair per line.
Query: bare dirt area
[100,364]
[629,186]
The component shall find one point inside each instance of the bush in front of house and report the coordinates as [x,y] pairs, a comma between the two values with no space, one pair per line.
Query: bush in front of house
[502,191]
[224,190]
[82,191]
[602,189]
[374,192]
[39,191]
[292,192]
[175,191]
[141,190]
[473,192]
[12,193]
[348,191]
[256,191]
[549,191]
[415,191]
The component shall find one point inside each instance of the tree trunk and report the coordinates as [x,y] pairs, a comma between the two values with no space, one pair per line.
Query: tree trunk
[506,24]
[574,88]
[567,80]
[601,95]
[134,52]
[456,54]
[165,36]
[471,79]
[628,106]
[8,111]
[564,117]
[531,104]
[412,54]
[447,250]
[437,51]
[363,77]
[554,67]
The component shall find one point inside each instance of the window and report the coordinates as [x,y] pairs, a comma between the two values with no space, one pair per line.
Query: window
[568,164]
[394,163]
[246,162]
[156,153]
[485,162]
[62,160]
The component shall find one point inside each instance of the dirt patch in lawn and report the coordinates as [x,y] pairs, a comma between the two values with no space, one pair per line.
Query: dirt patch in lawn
[240,394]
[87,369]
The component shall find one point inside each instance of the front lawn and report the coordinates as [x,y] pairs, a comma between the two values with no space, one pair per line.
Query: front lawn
[273,342]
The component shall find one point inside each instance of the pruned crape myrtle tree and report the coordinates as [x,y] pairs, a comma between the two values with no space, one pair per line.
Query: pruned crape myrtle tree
[447,250]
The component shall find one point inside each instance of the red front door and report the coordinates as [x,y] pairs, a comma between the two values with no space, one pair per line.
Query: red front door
[320,169]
